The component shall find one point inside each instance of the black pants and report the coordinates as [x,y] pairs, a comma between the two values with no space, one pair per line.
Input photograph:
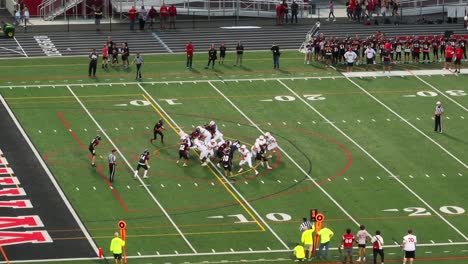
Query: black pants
[142,24]
[92,67]
[438,123]
[294,17]
[138,72]
[209,61]
[155,135]
[111,172]
[425,56]
[378,252]
[189,61]
[435,54]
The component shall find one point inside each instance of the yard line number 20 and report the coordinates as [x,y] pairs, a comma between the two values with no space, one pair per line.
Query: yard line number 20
[446,209]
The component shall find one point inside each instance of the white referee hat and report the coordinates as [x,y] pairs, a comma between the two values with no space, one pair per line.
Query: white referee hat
[438,103]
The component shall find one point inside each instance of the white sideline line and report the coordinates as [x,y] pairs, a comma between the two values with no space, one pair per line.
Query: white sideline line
[51,177]
[214,166]
[441,93]
[287,155]
[162,42]
[131,169]
[385,168]
[170,82]
[15,51]
[247,252]
[19,45]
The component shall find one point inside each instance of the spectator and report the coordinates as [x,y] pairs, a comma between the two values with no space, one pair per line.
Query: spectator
[325,235]
[212,56]
[276,55]
[331,9]
[222,53]
[125,54]
[350,57]
[97,18]
[132,13]
[279,14]
[239,53]
[142,15]
[164,13]
[17,17]
[26,16]
[294,11]
[172,16]
[105,56]
[152,14]
[189,51]
[377,245]
[285,10]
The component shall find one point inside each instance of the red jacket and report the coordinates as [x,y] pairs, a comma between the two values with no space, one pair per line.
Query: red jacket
[163,11]
[189,49]
[172,11]
[132,13]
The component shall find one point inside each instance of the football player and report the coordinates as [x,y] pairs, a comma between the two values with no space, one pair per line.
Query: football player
[220,152]
[272,145]
[143,163]
[205,135]
[261,147]
[158,128]
[184,136]
[246,157]
[200,145]
[92,148]
[227,162]
[215,133]
[184,151]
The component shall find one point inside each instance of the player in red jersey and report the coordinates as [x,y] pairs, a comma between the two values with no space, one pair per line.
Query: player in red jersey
[158,128]
[449,52]
[347,245]
[92,148]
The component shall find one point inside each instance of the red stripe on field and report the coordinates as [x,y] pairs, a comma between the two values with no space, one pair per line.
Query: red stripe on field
[65,123]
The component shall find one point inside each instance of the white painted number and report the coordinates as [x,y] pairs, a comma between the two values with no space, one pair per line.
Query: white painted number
[456,92]
[241,218]
[279,217]
[416,211]
[427,94]
[449,209]
[284,98]
[140,103]
[314,97]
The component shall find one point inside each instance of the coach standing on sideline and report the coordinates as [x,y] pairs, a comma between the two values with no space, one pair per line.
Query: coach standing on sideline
[112,159]
[439,111]
[276,55]
[93,57]
[139,62]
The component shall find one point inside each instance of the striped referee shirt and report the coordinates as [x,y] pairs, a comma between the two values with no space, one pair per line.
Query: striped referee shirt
[305,224]
[111,158]
[439,110]
[138,60]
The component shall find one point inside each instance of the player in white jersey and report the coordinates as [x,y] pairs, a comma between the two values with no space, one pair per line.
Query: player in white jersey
[272,145]
[205,135]
[361,238]
[203,151]
[409,247]
[185,136]
[246,157]
[216,134]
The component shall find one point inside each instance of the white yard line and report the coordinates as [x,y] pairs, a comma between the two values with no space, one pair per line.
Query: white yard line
[221,174]
[162,43]
[287,155]
[19,45]
[131,169]
[51,177]
[246,252]
[378,162]
[440,92]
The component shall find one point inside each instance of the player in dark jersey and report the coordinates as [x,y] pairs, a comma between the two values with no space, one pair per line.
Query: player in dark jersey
[143,163]
[158,128]
[184,152]
[261,149]
[235,145]
[92,148]
[227,162]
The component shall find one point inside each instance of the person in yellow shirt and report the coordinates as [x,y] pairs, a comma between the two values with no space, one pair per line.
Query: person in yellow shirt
[116,247]
[307,239]
[299,252]
[325,236]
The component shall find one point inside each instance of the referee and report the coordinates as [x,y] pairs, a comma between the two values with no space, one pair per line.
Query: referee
[93,58]
[439,111]
[139,62]
[112,159]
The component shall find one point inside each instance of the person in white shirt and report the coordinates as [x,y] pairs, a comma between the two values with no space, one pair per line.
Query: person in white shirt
[361,238]
[246,157]
[370,55]
[272,145]
[203,151]
[350,57]
[205,135]
[409,247]
[377,244]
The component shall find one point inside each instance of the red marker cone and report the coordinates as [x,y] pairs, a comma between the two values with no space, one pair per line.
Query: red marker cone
[100,252]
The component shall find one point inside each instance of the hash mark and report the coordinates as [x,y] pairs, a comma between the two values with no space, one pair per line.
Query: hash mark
[246,182]
[411,176]
[212,250]
[232,250]
[378,178]
[162,185]
[298,122]
[250,249]
[212,183]
[179,185]
[362,178]
[77,188]
[262,181]
[284,123]
[427,175]
[196,184]
[460,174]
[278,181]
[346,179]
[373,120]
[443,175]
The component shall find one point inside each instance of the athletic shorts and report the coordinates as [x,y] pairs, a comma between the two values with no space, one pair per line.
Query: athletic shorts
[448,59]
[93,151]
[227,167]
[347,251]
[350,64]
[386,62]
[410,254]
[117,256]
[362,245]
[457,61]
[105,57]
[307,246]
[142,166]
[370,61]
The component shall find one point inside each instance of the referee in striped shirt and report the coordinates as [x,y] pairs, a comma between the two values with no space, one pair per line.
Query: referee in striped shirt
[439,111]
[112,159]
[139,62]
[306,224]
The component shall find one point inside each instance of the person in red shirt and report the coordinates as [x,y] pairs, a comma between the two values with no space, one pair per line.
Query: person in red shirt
[449,52]
[189,51]
[458,57]
[279,14]
[347,245]
[164,13]
[132,13]
[172,16]
[105,56]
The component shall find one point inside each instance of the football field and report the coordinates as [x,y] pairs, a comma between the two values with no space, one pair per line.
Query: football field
[360,148]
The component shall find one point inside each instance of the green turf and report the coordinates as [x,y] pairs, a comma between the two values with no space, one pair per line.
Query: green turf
[367,160]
